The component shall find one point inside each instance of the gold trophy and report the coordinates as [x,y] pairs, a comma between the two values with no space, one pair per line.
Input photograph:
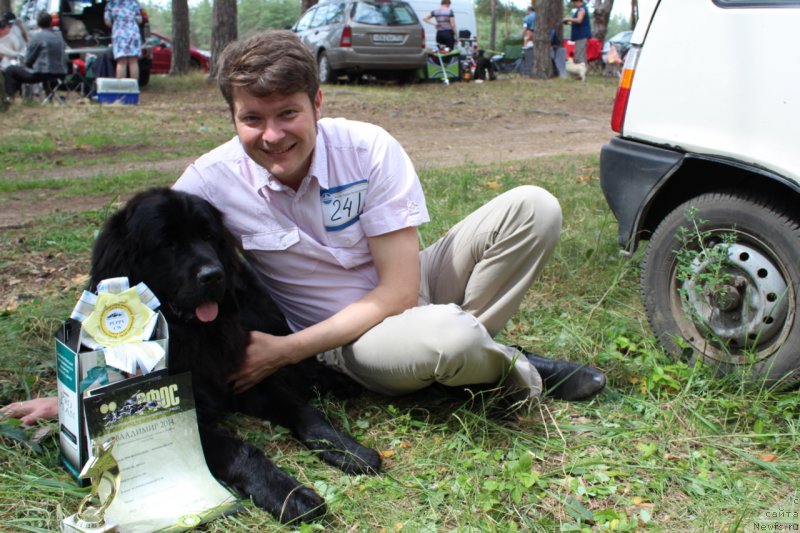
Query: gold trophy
[90,518]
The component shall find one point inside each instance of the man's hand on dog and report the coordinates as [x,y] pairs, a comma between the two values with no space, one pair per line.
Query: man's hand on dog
[265,355]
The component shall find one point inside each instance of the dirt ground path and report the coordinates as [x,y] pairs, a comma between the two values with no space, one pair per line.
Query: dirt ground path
[464,126]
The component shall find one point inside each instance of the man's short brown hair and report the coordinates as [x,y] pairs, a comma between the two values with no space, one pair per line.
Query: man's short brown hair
[273,62]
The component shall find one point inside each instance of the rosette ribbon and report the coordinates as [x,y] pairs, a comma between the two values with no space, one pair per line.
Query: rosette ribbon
[119,320]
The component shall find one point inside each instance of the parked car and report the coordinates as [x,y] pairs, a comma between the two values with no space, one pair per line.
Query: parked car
[81,23]
[706,167]
[356,37]
[162,55]
[621,41]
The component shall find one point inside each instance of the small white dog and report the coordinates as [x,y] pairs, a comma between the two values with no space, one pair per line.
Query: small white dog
[578,70]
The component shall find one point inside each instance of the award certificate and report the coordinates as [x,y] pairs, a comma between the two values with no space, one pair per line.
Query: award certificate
[165,484]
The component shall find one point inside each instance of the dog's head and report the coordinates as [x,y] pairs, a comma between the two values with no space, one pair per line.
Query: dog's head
[174,242]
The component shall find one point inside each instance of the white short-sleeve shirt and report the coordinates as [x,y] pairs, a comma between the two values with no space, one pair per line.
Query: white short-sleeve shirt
[312,244]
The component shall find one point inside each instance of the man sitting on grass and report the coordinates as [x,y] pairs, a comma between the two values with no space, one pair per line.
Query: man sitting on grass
[328,209]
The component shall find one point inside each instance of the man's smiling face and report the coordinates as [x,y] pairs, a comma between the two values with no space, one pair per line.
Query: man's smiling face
[278,131]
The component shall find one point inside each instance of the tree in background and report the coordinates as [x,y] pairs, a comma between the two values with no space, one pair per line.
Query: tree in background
[5,5]
[493,31]
[601,13]
[253,16]
[223,29]
[180,37]
[549,14]
[500,21]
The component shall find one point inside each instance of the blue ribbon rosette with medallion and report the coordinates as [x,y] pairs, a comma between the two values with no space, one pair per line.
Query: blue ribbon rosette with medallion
[119,321]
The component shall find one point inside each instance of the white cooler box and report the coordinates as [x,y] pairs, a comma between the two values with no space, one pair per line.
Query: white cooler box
[113,90]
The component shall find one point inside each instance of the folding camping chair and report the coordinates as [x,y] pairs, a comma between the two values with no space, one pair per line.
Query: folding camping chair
[51,85]
[73,85]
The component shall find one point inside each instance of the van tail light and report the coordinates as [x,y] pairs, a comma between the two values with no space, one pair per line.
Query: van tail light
[423,38]
[56,23]
[624,90]
[347,38]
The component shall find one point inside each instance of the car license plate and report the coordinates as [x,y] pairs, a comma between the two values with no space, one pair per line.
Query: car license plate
[387,38]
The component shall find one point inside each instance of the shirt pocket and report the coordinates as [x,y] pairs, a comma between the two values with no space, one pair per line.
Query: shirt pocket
[271,241]
[349,237]
[349,246]
[279,252]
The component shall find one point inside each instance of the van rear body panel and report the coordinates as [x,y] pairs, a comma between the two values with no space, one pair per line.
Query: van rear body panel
[696,105]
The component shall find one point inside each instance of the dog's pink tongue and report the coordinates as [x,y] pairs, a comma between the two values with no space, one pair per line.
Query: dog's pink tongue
[207,312]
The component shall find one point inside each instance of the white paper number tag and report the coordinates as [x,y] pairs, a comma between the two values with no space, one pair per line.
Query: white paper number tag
[341,206]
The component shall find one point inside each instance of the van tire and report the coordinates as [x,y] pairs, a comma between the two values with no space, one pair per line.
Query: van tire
[750,326]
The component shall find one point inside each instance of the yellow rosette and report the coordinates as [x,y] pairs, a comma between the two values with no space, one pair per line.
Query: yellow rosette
[118,318]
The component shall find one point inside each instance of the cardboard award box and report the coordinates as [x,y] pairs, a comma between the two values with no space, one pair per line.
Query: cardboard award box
[79,371]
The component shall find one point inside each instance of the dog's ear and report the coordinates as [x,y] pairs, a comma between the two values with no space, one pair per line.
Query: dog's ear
[111,256]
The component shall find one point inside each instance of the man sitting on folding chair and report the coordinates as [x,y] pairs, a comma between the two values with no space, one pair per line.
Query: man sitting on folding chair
[45,60]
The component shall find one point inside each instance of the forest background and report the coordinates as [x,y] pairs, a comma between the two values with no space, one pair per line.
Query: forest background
[259,15]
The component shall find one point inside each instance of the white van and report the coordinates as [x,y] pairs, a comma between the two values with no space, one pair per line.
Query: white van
[707,168]
[465,20]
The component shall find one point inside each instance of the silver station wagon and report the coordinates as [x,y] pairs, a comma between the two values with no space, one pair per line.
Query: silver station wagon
[383,38]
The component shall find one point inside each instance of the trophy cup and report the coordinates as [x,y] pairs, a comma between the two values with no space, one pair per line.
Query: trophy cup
[90,517]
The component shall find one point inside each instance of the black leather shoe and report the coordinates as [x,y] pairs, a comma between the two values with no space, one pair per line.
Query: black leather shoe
[566,380]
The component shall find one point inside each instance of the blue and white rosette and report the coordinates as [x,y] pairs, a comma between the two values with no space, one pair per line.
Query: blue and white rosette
[119,321]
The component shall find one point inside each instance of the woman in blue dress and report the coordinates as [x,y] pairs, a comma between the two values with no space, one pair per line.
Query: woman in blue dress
[124,17]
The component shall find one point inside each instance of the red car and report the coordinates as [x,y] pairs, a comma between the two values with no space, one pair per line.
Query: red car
[162,55]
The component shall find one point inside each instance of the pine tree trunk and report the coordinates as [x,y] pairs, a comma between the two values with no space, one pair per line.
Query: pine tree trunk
[223,29]
[305,5]
[549,14]
[180,37]
[5,5]
[600,16]
[493,31]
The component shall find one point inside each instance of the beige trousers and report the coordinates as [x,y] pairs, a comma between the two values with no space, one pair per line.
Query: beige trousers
[473,280]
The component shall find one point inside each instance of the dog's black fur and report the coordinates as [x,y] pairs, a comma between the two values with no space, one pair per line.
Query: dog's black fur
[176,243]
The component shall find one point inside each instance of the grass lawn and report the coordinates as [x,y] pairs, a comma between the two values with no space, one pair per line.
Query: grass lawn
[668,446]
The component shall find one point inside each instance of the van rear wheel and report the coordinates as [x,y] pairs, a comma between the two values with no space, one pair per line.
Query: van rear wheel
[720,281]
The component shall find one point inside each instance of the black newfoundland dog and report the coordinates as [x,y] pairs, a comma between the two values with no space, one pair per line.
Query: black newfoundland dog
[176,243]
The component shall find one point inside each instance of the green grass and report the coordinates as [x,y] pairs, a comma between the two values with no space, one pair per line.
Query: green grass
[668,447]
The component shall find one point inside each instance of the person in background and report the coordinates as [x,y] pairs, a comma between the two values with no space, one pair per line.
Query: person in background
[581,30]
[445,22]
[12,41]
[124,17]
[45,57]
[528,23]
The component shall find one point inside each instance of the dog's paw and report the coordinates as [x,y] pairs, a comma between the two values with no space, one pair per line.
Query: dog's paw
[361,460]
[301,504]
